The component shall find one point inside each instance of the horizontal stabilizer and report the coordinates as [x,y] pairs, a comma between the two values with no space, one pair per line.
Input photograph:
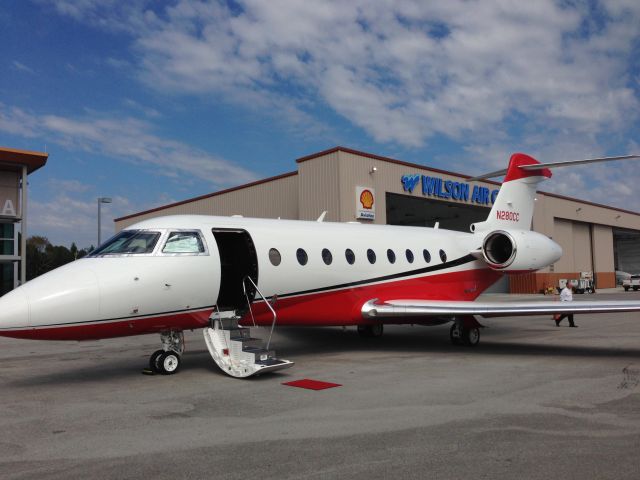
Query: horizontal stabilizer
[541,166]
[426,308]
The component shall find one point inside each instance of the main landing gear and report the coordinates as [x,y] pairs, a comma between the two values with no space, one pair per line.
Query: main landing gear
[167,361]
[465,332]
[369,331]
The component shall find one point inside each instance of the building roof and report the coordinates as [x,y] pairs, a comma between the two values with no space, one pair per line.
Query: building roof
[388,160]
[362,154]
[16,159]
[208,195]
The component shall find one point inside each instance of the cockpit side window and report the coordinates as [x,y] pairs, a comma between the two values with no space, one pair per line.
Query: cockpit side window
[183,242]
[129,242]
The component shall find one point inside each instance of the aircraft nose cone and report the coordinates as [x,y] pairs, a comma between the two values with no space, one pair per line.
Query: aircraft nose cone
[14,311]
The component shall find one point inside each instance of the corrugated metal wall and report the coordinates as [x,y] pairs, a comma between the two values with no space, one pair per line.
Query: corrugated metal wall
[277,198]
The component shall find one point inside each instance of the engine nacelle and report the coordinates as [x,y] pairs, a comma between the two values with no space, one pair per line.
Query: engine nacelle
[515,251]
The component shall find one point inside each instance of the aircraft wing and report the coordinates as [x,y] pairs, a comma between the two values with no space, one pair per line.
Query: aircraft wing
[426,308]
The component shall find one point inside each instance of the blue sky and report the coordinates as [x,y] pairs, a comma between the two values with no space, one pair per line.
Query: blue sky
[153,102]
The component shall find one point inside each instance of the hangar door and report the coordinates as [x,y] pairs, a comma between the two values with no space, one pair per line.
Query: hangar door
[626,249]
[425,212]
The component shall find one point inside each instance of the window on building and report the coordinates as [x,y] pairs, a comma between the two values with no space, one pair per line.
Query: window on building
[391,256]
[427,255]
[326,256]
[183,242]
[274,257]
[6,239]
[409,255]
[302,256]
[350,256]
[443,256]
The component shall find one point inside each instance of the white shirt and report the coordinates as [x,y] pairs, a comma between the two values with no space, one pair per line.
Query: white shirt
[566,295]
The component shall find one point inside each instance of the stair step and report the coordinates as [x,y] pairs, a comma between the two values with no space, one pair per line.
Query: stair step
[230,323]
[272,362]
[248,342]
[260,354]
[238,333]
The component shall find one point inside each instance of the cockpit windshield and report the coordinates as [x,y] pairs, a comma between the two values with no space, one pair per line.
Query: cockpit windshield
[128,242]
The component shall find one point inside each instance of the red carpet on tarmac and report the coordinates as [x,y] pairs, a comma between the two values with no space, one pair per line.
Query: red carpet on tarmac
[312,384]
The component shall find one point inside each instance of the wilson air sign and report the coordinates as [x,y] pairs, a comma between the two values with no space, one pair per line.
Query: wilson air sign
[448,189]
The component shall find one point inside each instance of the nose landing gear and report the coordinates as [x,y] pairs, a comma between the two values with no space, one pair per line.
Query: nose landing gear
[167,361]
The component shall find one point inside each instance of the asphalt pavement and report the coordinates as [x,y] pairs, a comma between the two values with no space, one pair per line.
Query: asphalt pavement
[532,401]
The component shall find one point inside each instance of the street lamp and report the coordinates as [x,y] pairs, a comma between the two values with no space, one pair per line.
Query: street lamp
[101,200]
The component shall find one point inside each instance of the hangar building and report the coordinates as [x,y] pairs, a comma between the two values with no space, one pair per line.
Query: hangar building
[15,166]
[357,186]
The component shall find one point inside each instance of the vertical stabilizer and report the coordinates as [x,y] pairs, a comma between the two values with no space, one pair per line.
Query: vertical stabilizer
[513,208]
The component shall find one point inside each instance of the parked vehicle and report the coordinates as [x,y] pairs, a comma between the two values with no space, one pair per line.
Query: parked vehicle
[632,282]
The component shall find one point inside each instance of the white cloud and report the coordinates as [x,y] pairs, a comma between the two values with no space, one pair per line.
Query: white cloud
[125,139]
[402,71]
[16,65]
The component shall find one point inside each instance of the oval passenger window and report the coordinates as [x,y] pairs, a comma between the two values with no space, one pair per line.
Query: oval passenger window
[409,255]
[371,255]
[350,256]
[302,256]
[391,256]
[274,257]
[326,256]
[443,256]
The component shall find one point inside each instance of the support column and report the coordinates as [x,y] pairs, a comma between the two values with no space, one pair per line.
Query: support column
[23,227]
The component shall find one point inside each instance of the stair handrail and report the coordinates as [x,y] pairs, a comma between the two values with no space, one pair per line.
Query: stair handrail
[273,323]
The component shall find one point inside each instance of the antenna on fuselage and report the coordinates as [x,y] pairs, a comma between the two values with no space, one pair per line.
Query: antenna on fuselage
[321,217]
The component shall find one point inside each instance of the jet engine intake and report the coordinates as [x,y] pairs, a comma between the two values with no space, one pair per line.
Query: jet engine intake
[519,250]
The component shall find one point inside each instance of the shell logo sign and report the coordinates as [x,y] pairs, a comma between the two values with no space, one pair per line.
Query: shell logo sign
[365,203]
[366,199]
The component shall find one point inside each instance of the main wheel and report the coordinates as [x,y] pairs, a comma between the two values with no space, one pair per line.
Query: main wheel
[153,361]
[369,331]
[471,336]
[626,289]
[169,362]
[455,334]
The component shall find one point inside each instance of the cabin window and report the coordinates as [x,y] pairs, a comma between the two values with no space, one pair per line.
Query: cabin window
[129,242]
[302,257]
[274,257]
[427,255]
[183,242]
[443,256]
[350,256]
[391,256]
[409,255]
[326,256]
[371,255]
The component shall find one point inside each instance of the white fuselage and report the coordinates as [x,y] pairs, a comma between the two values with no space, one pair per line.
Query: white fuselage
[114,295]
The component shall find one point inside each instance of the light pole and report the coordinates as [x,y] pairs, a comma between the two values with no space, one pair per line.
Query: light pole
[101,200]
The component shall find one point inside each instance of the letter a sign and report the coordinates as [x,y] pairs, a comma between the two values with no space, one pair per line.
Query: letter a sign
[8,210]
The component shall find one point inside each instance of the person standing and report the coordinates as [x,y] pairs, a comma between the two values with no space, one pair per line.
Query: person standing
[566,295]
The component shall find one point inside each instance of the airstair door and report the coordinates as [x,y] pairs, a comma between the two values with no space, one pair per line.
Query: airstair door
[238,260]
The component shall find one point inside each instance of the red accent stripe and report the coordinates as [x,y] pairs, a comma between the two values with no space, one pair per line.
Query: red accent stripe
[515,173]
[340,307]
[120,328]
[343,307]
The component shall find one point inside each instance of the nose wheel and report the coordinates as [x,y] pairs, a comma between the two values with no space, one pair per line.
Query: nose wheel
[167,360]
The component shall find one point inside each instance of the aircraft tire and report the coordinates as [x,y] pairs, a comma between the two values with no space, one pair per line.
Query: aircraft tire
[153,361]
[471,336]
[371,331]
[454,335]
[169,363]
